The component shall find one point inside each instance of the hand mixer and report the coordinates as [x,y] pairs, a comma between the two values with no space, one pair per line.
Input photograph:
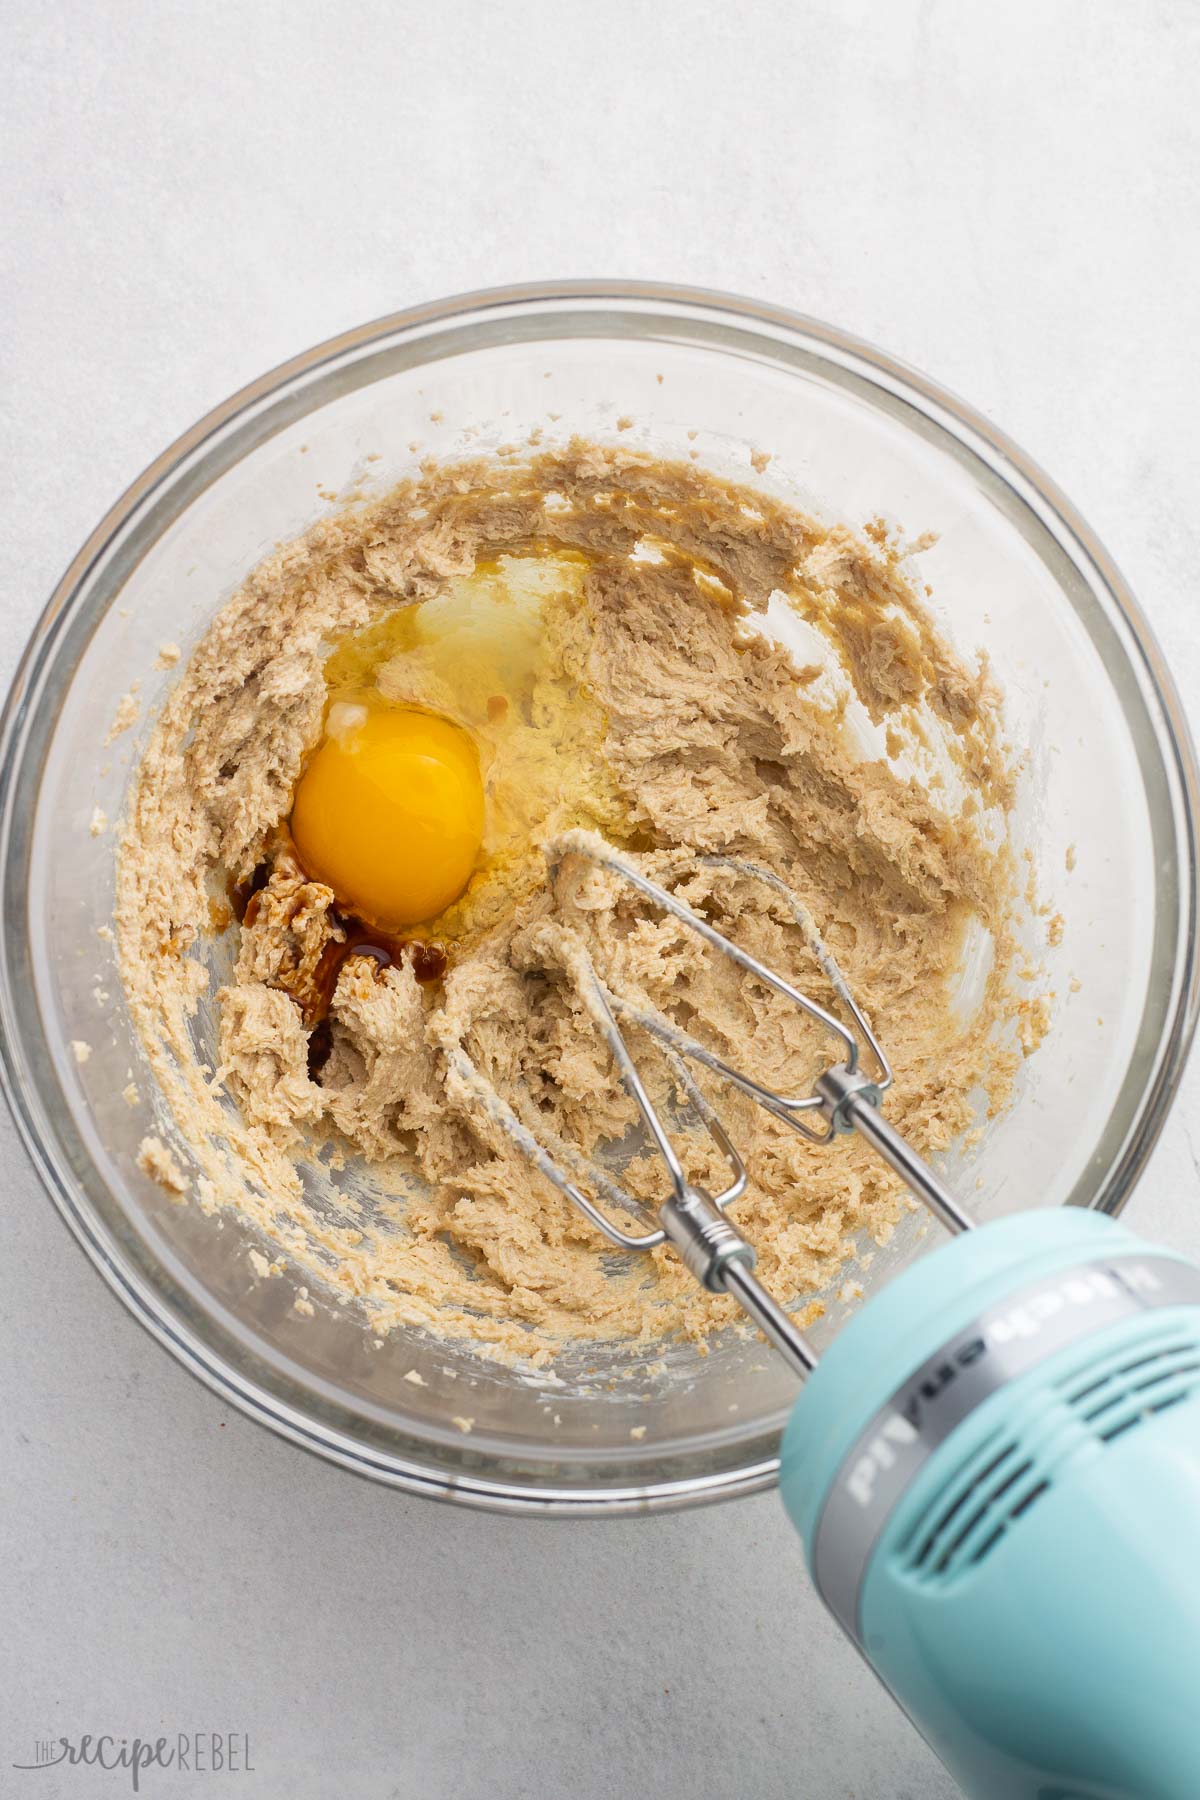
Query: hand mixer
[995,1468]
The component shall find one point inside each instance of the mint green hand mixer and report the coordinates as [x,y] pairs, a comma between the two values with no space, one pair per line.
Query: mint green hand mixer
[995,1469]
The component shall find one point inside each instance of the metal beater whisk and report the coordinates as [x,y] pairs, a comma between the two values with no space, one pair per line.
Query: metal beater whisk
[696,1223]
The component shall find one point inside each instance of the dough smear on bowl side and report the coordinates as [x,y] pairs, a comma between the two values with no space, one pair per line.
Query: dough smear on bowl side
[653,700]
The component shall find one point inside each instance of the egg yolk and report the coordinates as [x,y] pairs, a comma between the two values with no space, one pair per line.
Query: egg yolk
[389,812]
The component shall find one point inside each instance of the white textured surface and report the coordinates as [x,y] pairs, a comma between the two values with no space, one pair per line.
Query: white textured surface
[1008,198]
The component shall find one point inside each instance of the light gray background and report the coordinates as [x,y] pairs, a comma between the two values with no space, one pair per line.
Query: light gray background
[1006,196]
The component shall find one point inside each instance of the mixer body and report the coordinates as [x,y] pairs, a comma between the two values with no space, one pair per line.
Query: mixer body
[996,1473]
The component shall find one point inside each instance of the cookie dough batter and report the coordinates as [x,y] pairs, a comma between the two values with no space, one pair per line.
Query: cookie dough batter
[739,679]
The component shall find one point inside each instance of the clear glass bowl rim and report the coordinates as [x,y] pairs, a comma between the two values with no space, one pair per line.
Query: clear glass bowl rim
[26,1067]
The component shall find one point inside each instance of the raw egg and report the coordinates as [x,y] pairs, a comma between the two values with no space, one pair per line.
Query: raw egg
[486,678]
[389,811]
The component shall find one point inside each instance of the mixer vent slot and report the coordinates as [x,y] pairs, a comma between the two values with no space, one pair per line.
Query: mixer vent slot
[1123,1390]
[995,1486]
[1096,1402]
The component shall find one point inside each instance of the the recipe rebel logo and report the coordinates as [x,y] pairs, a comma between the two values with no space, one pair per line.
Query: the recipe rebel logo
[186,1752]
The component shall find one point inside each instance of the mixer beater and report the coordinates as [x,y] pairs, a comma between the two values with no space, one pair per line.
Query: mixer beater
[844,1098]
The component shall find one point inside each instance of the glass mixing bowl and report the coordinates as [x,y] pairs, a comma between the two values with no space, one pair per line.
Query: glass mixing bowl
[1107,811]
